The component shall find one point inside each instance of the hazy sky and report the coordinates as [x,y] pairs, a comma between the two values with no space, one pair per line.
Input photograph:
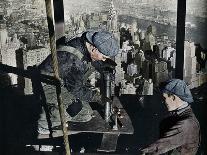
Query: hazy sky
[196,7]
[78,6]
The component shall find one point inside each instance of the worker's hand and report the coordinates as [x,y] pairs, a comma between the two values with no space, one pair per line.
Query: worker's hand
[143,151]
[106,99]
[146,151]
[96,95]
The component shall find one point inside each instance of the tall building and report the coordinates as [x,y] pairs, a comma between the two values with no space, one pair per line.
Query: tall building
[132,69]
[148,87]
[191,76]
[31,40]
[119,74]
[29,58]
[8,47]
[113,22]
[173,60]
[189,67]
[112,18]
[94,21]
[169,54]
[124,56]
[142,35]
[3,31]
[128,88]
[139,60]
[149,41]
[81,27]
[136,39]
[160,72]
[135,33]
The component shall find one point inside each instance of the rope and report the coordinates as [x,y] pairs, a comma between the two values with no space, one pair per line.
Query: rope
[56,73]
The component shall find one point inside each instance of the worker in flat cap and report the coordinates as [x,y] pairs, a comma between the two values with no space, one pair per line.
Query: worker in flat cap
[179,131]
[78,58]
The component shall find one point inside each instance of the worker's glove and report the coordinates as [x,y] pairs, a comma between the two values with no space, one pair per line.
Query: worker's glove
[146,151]
[109,66]
[96,95]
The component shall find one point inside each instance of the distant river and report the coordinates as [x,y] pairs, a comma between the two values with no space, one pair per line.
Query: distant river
[197,35]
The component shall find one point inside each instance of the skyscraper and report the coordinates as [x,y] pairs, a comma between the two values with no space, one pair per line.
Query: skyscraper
[113,21]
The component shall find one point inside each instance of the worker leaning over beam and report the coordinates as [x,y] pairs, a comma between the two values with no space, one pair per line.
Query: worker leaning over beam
[78,58]
[179,131]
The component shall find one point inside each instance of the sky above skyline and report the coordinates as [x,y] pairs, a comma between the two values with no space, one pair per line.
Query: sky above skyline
[197,8]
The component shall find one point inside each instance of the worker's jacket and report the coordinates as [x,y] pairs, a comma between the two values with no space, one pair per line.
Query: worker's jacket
[179,134]
[74,68]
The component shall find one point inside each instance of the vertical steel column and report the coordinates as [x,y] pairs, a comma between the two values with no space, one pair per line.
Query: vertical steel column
[58,11]
[107,80]
[59,20]
[180,38]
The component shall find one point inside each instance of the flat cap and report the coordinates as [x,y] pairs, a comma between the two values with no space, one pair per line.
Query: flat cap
[104,41]
[179,88]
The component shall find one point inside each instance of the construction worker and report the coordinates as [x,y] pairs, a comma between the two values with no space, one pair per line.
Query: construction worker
[179,132]
[78,58]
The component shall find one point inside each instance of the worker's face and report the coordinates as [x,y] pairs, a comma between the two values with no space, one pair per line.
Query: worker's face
[95,54]
[169,102]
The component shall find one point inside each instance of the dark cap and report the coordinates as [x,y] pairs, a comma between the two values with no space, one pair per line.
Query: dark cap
[104,41]
[179,88]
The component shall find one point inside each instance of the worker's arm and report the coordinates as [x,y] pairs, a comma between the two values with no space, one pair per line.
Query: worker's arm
[71,71]
[169,140]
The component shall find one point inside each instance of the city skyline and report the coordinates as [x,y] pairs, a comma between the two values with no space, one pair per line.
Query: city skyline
[79,6]
[104,14]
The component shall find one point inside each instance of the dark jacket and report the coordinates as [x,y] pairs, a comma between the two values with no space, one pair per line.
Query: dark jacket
[179,134]
[72,69]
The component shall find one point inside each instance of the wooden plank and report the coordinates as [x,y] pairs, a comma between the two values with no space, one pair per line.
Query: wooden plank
[109,142]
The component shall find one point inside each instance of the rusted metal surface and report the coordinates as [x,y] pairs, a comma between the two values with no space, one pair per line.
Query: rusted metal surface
[98,125]
[109,142]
